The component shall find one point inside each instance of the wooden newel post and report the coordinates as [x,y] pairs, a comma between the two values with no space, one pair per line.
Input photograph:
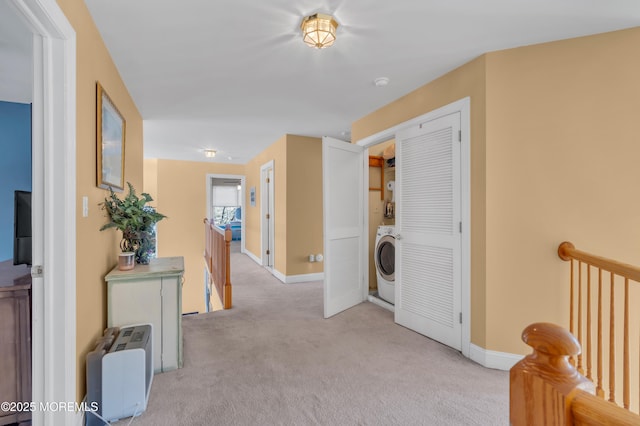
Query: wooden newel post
[227,282]
[541,384]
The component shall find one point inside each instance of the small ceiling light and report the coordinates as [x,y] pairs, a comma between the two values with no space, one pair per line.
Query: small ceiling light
[210,153]
[381,81]
[319,30]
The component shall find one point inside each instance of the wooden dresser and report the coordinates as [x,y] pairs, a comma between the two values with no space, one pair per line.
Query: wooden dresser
[15,339]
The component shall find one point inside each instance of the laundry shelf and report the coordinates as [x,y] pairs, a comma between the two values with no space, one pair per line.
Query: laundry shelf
[378,161]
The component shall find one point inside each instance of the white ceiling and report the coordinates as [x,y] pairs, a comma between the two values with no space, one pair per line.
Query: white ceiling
[234,75]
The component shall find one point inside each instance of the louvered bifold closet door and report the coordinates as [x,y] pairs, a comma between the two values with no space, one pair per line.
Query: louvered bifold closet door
[428,245]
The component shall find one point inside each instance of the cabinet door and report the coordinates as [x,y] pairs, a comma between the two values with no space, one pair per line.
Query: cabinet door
[171,317]
[15,352]
[138,302]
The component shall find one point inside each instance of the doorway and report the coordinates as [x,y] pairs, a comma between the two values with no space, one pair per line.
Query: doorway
[267,211]
[53,206]
[225,206]
[381,230]
[225,203]
[461,137]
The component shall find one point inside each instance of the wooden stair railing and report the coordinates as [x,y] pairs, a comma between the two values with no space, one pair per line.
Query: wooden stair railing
[217,255]
[606,328]
[546,389]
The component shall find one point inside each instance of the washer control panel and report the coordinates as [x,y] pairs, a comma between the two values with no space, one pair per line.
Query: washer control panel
[386,230]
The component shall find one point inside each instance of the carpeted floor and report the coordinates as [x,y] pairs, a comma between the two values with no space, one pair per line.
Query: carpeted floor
[273,360]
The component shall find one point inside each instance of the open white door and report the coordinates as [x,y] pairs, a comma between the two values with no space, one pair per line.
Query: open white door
[342,175]
[428,244]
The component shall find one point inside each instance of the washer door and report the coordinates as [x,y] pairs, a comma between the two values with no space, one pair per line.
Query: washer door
[386,257]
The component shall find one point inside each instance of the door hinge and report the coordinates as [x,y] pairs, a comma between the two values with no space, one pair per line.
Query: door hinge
[460,318]
[37,271]
[268,216]
[268,180]
[268,252]
[459,135]
[460,227]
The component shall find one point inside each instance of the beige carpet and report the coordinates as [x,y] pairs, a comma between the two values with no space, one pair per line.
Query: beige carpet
[273,360]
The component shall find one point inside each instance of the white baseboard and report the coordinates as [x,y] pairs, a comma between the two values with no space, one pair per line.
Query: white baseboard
[292,279]
[287,279]
[304,278]
[493,359]
[279,275]
[253,257]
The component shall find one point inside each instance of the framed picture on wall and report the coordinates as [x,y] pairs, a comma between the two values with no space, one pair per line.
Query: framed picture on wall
[110,136]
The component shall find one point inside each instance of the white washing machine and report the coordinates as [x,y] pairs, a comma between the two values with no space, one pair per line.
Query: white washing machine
[384,256]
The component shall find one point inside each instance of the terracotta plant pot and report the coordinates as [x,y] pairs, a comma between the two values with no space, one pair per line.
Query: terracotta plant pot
[126,260]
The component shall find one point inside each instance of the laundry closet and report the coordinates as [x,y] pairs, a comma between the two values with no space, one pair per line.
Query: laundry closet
[382,214]
[418,246]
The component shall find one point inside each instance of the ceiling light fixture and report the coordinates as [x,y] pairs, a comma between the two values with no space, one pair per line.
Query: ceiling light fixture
[210,153]
[319,30]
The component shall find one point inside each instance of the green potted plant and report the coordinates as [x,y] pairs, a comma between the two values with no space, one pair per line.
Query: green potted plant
[136,220]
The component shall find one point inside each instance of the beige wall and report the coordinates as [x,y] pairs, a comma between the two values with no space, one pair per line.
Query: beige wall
[562,151]
[96,251]
[151,178]
[377,206]
[181,194]
[468,80]
[278,153]
[553,149]
[298,203]
[304,204]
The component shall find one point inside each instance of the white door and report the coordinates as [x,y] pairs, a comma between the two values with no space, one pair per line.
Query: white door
[342,180]
[428,224]
[267,202]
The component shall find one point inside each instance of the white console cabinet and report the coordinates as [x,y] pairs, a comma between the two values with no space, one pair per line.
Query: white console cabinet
[151,294]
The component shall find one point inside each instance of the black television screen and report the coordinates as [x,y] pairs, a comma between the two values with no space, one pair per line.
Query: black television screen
[22,228]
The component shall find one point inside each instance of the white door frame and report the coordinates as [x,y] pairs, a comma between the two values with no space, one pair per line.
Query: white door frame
[463,106]
[54,207]
[267,229]
[209,213]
